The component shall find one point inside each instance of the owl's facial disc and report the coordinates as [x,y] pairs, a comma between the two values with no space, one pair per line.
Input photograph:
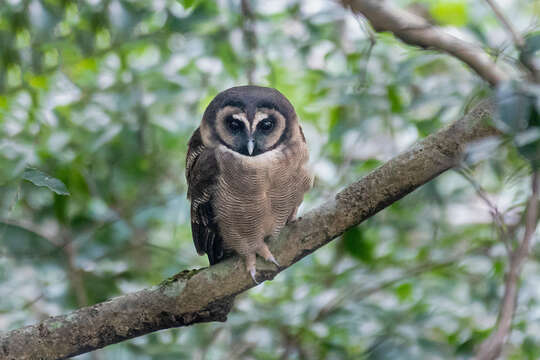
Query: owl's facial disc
[249,137]
[239,127]
[232,127]
[267,127]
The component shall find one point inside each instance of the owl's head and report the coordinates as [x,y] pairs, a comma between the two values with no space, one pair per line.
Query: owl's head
[249,120]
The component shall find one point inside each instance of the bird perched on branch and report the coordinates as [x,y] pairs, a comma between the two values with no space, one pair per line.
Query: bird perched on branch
[246,170]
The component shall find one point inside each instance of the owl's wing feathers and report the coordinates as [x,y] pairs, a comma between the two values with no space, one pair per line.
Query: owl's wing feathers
[201,175]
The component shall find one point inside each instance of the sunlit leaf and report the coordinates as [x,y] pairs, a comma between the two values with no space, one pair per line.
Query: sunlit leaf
[404,291]
[189,3]
[450,12]
[38,81]
[394,98]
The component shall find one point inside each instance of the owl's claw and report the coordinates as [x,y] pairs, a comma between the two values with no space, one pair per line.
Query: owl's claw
[252,272]
[250,261]
[250,267]
[264,251]
[273,259]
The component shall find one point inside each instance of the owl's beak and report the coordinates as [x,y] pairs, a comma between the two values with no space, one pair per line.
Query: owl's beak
[250,146]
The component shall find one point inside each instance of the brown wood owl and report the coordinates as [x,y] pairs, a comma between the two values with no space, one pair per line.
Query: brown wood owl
[246,170]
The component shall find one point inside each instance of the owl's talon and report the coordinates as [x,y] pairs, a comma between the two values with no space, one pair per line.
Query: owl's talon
[264,251]
[252,272]
[273,259]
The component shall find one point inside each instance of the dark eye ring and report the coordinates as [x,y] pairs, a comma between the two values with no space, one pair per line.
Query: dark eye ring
[266,125]
[234,125]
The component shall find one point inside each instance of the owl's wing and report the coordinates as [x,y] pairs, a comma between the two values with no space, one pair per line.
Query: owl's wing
[201,174]
[303,178]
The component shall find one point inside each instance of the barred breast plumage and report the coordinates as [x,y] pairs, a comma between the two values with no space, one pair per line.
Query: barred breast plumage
[256,196]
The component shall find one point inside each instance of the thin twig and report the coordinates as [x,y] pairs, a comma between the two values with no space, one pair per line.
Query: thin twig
[366,27]
[32,302]
[516,37]
[491,348]
[519,42]
[496,215]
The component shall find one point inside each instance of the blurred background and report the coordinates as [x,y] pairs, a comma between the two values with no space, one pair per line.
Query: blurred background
[98,99]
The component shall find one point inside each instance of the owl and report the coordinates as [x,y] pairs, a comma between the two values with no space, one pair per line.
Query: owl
[247,173]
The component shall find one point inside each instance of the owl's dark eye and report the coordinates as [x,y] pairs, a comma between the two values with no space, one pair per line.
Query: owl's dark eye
[234,125]
[266,125]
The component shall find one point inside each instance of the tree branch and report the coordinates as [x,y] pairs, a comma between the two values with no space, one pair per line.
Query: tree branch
[250,38]
[203,295]
[415,30]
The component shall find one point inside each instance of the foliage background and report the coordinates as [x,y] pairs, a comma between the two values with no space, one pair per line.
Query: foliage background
[104,94]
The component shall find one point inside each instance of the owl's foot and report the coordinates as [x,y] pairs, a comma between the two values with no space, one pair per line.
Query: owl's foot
[250,260]
[264,251]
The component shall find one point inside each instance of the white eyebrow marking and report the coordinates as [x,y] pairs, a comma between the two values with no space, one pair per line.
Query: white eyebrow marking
[259,115]
[243,118]
[240,116]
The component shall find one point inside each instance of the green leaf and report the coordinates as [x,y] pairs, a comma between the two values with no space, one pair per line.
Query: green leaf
[532,44]
[528,144]
[518,116]
[396,105]
[37,81]
[404,291]
[450,12]
[189,3]
[513,108]
[39,178]
[359,244]
[367,166]
[228,58]
[27,246]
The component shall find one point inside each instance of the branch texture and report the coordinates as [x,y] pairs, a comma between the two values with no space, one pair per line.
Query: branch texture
[203,295]
[414,30]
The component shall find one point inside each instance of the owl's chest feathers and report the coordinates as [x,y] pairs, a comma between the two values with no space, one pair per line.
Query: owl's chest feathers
[254,196]
[253,175]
